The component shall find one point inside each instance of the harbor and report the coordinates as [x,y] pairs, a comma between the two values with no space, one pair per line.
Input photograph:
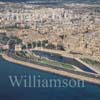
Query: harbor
[92,78]
[90,91]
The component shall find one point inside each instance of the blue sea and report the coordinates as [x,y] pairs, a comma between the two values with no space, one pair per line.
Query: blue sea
[7,92]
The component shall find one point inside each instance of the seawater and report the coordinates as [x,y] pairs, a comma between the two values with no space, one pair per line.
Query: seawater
[7,92]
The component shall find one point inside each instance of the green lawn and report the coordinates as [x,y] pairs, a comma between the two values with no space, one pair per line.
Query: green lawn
[55,63]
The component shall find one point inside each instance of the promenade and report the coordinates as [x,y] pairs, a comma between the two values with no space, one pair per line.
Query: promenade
[52,70]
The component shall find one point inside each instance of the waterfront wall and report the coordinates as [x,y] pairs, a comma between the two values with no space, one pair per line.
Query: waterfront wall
[51,70]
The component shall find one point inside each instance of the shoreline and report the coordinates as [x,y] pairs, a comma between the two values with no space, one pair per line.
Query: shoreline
[51,70]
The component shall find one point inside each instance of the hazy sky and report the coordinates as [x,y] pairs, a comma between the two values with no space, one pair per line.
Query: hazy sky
[77,1]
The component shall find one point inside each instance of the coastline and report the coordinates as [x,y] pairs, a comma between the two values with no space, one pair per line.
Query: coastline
[51,70]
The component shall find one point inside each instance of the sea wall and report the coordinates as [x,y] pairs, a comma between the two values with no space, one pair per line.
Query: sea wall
[51,70]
